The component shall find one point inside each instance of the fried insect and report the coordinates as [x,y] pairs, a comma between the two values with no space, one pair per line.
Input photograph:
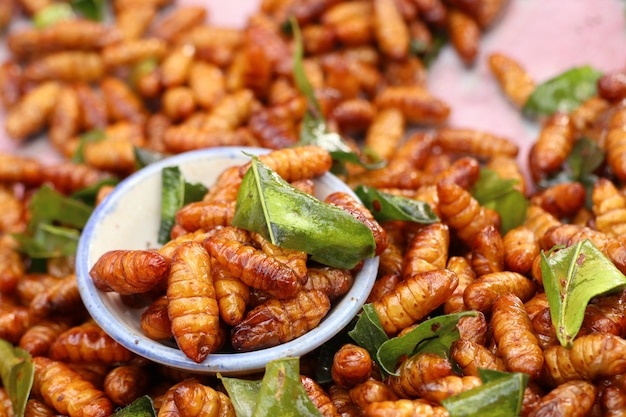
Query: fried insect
[12,268]
[507,168]
[573,398]
[132,51]
[483,292]
[205,215]
[340,396]
[65,66]
[471,356]
[232,295]
[352,365]
[427,250]
[10,83]
[416,104]
[385,133]
[461,212]
[609,208]
[192,304]
[513,334]
[515,82]
[14,322]
[129,271]
[88,343]
[155,321]
[30,114]
[554,144]
[124,384]
[38,339]
[62,297]
[464,34]
[298,163]
[521,247]
[615,146]
[371,391]
[414,298]
[333,282]
[416,371]
[391,31]
[279,321]
[591,356]
[487,251]
[66,391]
[404,408]
[463,270]
[442,388]
[230,247]
[475,143]
[319,397]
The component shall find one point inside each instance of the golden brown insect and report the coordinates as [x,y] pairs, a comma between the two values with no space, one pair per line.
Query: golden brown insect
[591,356]
[416,371]
[483,292]
[133,22]
[521,247]
[279,321]
[214,44]
[513,333]
[129,271]
[352,365]
[391,259]
[207,83]
[232,295]
[294,259]
[38,408]
[414,298]
[609,208]
[391,31]
[178,103]
[333,282]
[65,66]
[38,338]
[319,397]
[183,138]
[461,212]
[30,114]
[65,390]
[573,398]
[14,322]
[507,168]
[356,115]
[447,386]
[192,304]
[464,34]
[10,83]
[555,142]
[132,51]
[230,247]
[487,251]
[88,343]
[404,407]
[122,103]
[62,297]
[464,172]
[124,384]
[539,221]
[110,155]
[476,143]
[384,284]
[561,200]
[205,215]
[178,20]
[471,356]
[427,250]
[463,269]
[340,396]
[416,104]
[298,163]
[385,132]
[613,401]
[20,169]
[155,322]
[93,108]
[65,119]
[68,177]
[12,268]
[360,212]
[371,391]
[515,82]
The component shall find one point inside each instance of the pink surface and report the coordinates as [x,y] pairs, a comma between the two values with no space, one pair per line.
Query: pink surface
[546,36]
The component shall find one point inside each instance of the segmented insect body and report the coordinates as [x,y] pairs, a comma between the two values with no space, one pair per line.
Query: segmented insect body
[416,371]
[232,295]
[155,322]
[38,339]
[60,298]
[521,247]
[554,144]
[487,251]
[483,292]
[333,282]
[463,270]
[464,34]
[404,407]
[352,365]
[475,143]
[279,321]
[471,356]
[205,215]
[124,384]
[427,250]
[30,114]
[515,82]
[192,304]
[319,397]
[561,200]
[609,208]
[573,398]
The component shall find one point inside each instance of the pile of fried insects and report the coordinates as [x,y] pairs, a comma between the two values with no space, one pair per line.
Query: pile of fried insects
[518,281]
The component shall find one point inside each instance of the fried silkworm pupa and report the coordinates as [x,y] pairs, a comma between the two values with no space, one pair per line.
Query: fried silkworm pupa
[385,132]
[414,298]
[390,29]
[294,164]
[12,268]
[14,322]
[66,391]
[192,304]
[573,398]
[60,298]
[352,365]
[205,215]
[609,208]
[427,250]
[591,356]
[232,295]
[38,339]
[554,144]
[231,248]
[513,79]
[416,371]
[514,336]
[88,343]
[477,143]
[340,396]
[333,282]
[371,391]
[471,356]
[447,386]
[30,114]
[124,384]
[129,271]
[191,398]
[464,34]
[404,407]
[520,249]
[416,104]
[155,322]
[279,321]
[318,396]
[463,270]
[487,251]
[132,51]
[483,292]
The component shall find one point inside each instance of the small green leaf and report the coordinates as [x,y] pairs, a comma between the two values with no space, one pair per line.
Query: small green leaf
[88,194]
[145,157]
[141,407]
[194,191]
[564,92]
[571,277]
[49,241]
[17,373]
[280,393]
[434,336]
[94,135]
[499,194]
[91,9]
[290,218]
[498,396]
[243,394]
[368,331]
[172,198]
[51,14]
[387,207]
[50,206]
